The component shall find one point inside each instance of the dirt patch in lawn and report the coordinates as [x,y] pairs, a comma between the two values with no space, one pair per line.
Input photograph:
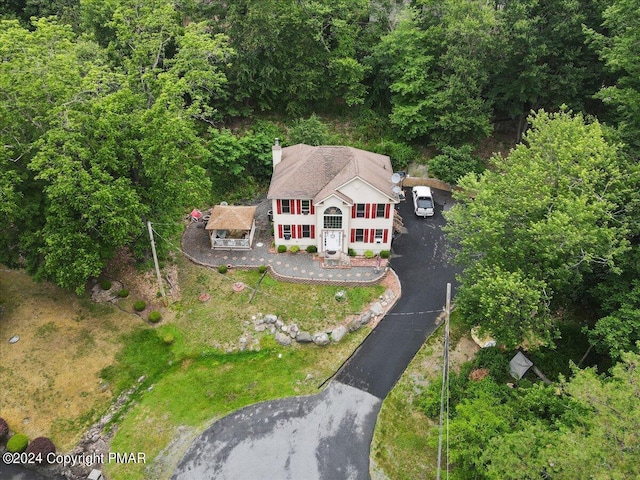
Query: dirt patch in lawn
[50,377]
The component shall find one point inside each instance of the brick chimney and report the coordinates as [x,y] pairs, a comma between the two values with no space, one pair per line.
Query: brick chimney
[277,152]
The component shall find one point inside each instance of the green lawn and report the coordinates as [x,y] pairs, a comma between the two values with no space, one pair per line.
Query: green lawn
[194,392]
[198,374]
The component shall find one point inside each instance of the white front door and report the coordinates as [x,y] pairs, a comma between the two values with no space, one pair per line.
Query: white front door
[332,240]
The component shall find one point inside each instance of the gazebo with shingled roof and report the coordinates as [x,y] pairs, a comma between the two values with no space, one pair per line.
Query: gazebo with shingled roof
[231,227]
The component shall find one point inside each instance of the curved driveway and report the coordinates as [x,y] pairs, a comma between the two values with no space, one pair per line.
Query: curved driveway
[328,435]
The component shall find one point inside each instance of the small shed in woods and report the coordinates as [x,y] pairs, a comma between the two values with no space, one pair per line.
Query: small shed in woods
[231,227]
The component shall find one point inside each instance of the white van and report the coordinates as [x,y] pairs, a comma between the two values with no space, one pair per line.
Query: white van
[423,205]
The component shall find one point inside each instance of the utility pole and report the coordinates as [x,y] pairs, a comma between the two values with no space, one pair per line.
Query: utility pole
[445,381]
[155,261]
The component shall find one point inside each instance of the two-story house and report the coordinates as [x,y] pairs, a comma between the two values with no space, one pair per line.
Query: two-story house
[336,198]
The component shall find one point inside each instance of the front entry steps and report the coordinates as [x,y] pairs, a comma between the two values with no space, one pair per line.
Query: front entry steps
[338,260]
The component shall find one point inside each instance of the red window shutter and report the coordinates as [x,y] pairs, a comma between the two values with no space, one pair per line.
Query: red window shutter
[313,231]
[387,211]
[353,211]
[299,206]
[293,231]
[280,235]
[313,210]
[385,236]
[366,210]
[299,231]
[279,207]
[353,234]
[372,234]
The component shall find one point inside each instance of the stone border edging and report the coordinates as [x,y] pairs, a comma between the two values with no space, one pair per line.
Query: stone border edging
[388,307]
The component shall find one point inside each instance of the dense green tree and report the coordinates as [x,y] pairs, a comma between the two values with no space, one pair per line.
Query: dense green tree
[293,56]
[539,219]
[454,163]
[619,50]
[23,10]
[434,64]
[105,151]
[541,60]
[311,131]
[594,436]
[41,70]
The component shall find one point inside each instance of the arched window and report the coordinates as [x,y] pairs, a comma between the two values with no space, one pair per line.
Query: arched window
[333,218]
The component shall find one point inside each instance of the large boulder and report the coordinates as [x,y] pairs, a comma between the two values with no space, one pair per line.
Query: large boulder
[283,339]
[270,319]
[365,317]
[304,337]
[321,338]
[377,309]
[354,325]
[338,333]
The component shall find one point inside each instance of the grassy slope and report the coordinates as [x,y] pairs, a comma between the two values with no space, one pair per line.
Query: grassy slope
[194,382]
[197,391]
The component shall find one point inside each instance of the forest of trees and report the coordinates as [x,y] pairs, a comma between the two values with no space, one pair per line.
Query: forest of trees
[113,112]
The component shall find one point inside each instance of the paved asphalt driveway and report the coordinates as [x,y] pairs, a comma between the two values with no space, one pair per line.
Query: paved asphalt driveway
[420,261]
[328,436]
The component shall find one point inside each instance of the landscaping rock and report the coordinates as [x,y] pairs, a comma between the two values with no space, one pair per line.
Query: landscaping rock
[354,325]
[293,333]
[261,328]
[365,317]
[279,323]
[258,320]
[321,338]
[338,333]
[304,337]
[377,309]
[389,295]
[270,319]
[283,339]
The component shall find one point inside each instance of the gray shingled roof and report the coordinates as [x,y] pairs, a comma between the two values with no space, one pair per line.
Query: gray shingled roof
[316,172]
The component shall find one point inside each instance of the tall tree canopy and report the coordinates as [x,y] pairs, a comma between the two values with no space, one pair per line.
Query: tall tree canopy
[535,223]
[100,149]
[619,49]
[293,55]
[434,65]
